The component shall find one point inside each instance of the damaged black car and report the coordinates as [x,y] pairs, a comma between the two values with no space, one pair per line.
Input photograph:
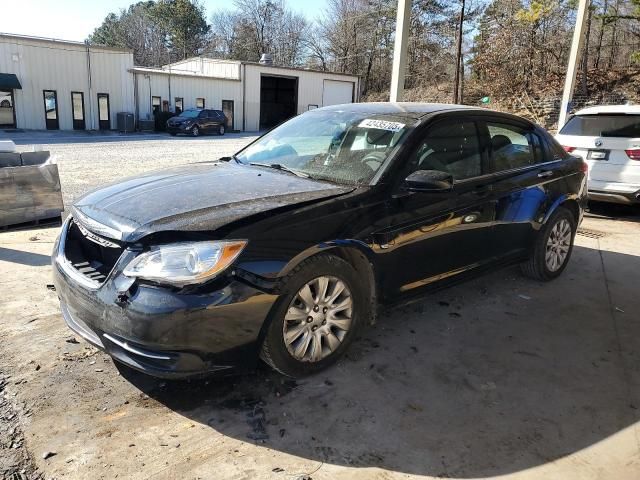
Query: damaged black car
[285,250]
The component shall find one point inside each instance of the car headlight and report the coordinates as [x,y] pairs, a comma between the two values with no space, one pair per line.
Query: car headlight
[185,263]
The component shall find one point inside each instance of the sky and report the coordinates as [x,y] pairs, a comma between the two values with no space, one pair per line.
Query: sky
[76,19]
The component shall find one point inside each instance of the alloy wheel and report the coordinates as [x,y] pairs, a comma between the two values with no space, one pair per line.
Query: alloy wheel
[221,131]
[558,245]
[195,131]
[318,319]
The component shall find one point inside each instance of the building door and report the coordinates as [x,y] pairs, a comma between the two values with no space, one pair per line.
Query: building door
[227,109]
[179,105]
[51,109]
[77,106]
[7,110]
[104,117]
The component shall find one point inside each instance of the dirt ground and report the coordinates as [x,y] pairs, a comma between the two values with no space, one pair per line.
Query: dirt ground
[498,377]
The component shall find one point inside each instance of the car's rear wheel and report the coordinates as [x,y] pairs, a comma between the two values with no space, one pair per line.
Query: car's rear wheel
[221,130]
[195,131]
[553,247]
[316,317]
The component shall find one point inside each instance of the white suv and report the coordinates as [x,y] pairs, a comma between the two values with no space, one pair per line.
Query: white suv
[608,139]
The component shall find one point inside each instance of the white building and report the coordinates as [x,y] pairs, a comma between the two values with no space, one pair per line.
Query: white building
[56,84]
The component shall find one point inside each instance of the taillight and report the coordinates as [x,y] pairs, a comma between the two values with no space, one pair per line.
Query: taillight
[568,149]
[633,154]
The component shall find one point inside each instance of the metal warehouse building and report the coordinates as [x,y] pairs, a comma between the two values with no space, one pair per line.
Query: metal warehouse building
[57,84]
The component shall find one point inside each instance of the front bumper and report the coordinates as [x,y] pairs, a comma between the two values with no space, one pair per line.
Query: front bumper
[161,331]
[182,128]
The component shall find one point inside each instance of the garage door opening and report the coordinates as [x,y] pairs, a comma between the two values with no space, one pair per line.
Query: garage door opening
[278,100]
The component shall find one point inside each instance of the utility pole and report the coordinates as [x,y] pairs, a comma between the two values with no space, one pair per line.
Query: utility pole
[403,24]
[572,67]
[456,96]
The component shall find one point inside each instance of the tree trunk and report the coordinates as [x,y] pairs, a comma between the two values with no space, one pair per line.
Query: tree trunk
[603,24]
[585,53]
[614,37]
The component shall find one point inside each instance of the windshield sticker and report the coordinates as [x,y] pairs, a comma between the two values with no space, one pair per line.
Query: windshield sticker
[382,125]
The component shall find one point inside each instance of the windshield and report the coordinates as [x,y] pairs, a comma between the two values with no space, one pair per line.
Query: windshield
[341,147]
[622,125]
[190,114]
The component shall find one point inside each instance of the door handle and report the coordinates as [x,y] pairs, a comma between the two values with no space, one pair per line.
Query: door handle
[545,174]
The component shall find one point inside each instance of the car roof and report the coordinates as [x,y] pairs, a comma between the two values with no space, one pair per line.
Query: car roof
[410,109]
[602,109]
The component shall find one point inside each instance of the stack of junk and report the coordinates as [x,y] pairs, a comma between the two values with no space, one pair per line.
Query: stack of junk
[29,187]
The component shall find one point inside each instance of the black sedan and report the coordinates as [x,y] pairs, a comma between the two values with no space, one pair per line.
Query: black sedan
[284,251]
[195,122]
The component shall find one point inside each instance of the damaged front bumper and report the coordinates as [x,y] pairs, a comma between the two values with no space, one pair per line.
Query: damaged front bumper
[159,330]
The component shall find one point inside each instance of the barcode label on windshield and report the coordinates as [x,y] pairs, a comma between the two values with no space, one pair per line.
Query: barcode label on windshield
[382,125]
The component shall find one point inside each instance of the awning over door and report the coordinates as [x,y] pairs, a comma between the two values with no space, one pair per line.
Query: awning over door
[9,81]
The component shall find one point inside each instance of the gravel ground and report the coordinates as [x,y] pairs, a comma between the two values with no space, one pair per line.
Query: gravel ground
[86,162]
[15,461]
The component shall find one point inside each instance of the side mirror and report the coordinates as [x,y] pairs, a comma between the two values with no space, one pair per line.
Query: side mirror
[429,181]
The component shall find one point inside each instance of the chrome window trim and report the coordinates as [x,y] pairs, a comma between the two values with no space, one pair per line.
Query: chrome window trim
[506,172]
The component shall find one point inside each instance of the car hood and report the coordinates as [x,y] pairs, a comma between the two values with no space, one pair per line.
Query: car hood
[201,197]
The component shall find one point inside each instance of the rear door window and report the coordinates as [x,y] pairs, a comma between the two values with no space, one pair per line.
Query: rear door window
[622,125]
[512,147]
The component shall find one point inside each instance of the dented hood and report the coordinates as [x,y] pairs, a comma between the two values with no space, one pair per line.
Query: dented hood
[201,197]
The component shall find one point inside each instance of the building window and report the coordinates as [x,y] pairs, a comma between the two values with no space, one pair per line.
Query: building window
[165,105]
[179,105]
[199,102]
[155,104]
[51,109]
[77,110]
[104,112]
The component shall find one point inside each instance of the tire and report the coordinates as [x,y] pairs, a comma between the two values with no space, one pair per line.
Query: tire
[221,130]
[195,131]
[274,350]
[537,266]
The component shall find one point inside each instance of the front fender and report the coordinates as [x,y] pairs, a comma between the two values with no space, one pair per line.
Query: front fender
[323,247]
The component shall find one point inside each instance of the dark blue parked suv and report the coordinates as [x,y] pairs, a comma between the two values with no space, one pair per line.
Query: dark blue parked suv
[195,122]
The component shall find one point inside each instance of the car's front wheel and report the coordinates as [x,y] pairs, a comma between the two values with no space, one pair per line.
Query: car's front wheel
[553,247]
[221,130]
[195,131]
[316,317]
